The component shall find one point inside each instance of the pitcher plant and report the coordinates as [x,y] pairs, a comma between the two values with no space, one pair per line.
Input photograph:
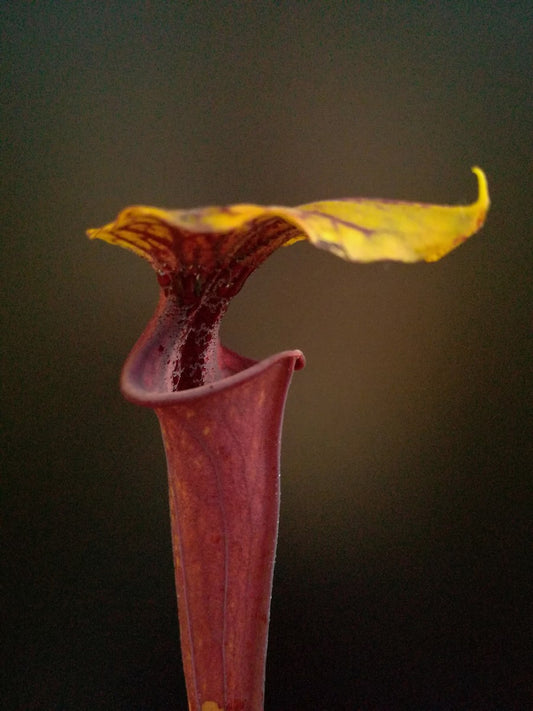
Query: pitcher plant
[221,413]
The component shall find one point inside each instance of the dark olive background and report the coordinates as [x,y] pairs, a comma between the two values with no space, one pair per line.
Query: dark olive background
[401,578]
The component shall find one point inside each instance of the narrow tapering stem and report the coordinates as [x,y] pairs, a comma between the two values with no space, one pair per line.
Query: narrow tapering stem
[222,447]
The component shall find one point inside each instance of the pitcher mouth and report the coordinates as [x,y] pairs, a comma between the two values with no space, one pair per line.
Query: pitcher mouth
[237,370]
[203,257]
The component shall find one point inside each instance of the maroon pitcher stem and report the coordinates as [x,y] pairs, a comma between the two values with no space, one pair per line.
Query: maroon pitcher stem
[222,450]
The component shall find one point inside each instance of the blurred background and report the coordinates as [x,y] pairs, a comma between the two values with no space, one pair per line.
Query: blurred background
[401,579]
